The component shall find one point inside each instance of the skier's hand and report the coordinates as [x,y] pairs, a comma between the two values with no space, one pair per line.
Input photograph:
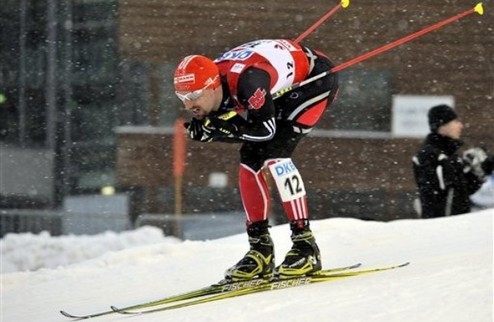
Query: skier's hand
[198,131]
[221,126]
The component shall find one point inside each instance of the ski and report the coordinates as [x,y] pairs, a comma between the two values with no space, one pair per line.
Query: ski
[265,286]
[220,287]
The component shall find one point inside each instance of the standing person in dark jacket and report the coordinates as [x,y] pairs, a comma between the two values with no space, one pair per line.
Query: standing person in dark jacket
[445,180]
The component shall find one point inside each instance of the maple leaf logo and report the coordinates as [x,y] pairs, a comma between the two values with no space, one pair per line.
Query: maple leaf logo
[256,101]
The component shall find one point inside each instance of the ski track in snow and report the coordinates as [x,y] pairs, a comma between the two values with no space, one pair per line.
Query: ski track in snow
[450,277]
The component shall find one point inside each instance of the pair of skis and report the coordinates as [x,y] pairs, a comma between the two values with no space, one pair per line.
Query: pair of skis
[225,290]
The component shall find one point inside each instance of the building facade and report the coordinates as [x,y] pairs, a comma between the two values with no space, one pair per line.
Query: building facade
[88,84]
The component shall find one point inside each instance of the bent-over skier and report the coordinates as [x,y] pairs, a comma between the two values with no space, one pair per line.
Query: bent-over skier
[231,100]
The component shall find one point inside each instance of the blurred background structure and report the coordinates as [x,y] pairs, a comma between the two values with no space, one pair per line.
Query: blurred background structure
[87,107]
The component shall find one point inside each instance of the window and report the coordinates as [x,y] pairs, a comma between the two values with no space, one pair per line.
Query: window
[363,103]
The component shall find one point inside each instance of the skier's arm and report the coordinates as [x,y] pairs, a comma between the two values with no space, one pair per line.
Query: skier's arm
[254,93]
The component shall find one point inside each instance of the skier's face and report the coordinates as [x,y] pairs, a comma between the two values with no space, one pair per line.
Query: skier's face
[452,129]
[204,104]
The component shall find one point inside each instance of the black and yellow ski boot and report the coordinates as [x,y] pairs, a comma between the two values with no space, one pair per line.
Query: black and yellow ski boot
[259,260]
[304,258]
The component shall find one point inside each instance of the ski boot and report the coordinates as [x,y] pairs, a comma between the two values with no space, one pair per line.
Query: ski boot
[304,258]
[259,260]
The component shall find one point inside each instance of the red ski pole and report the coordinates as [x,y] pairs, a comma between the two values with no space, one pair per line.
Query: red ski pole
[478,9]
[342,4]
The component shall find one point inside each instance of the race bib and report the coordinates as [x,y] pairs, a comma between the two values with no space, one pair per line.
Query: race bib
[287,179]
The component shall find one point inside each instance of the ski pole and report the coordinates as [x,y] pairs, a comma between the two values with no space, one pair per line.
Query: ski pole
[342,4]
[478,9]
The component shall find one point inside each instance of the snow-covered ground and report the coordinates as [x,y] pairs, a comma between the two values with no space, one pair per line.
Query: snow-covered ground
[450,277]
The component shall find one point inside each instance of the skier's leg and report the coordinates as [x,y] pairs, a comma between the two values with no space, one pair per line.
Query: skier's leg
[304,256]
[259,260]
[254,193]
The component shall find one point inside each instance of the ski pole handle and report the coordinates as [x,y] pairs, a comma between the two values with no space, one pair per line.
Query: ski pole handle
[342,4]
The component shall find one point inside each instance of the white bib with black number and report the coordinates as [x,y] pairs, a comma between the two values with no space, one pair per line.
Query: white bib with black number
[287,179]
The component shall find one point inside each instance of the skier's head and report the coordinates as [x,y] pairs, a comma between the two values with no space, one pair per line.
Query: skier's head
[196,81]
[194,73]
[444,120]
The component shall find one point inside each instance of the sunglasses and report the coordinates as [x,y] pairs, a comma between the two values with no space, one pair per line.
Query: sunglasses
[192,96]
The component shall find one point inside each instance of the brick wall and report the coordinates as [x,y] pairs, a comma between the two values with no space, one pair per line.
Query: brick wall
[369,178]
[456,60]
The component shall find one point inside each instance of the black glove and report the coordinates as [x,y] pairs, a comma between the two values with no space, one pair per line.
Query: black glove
[221,127]
[474,159]
[488,165]
[198,131]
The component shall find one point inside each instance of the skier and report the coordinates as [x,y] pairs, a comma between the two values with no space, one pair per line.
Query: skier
[444,179]
[231,100]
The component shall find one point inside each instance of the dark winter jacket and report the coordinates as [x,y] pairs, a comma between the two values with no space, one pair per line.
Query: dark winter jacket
[443,185]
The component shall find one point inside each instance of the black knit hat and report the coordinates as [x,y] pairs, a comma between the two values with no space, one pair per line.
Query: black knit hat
[440,115]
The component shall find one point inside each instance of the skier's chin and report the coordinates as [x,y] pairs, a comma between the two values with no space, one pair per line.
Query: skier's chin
[201,115]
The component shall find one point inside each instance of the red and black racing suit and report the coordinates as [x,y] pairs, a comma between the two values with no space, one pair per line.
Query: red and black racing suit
[271,129]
